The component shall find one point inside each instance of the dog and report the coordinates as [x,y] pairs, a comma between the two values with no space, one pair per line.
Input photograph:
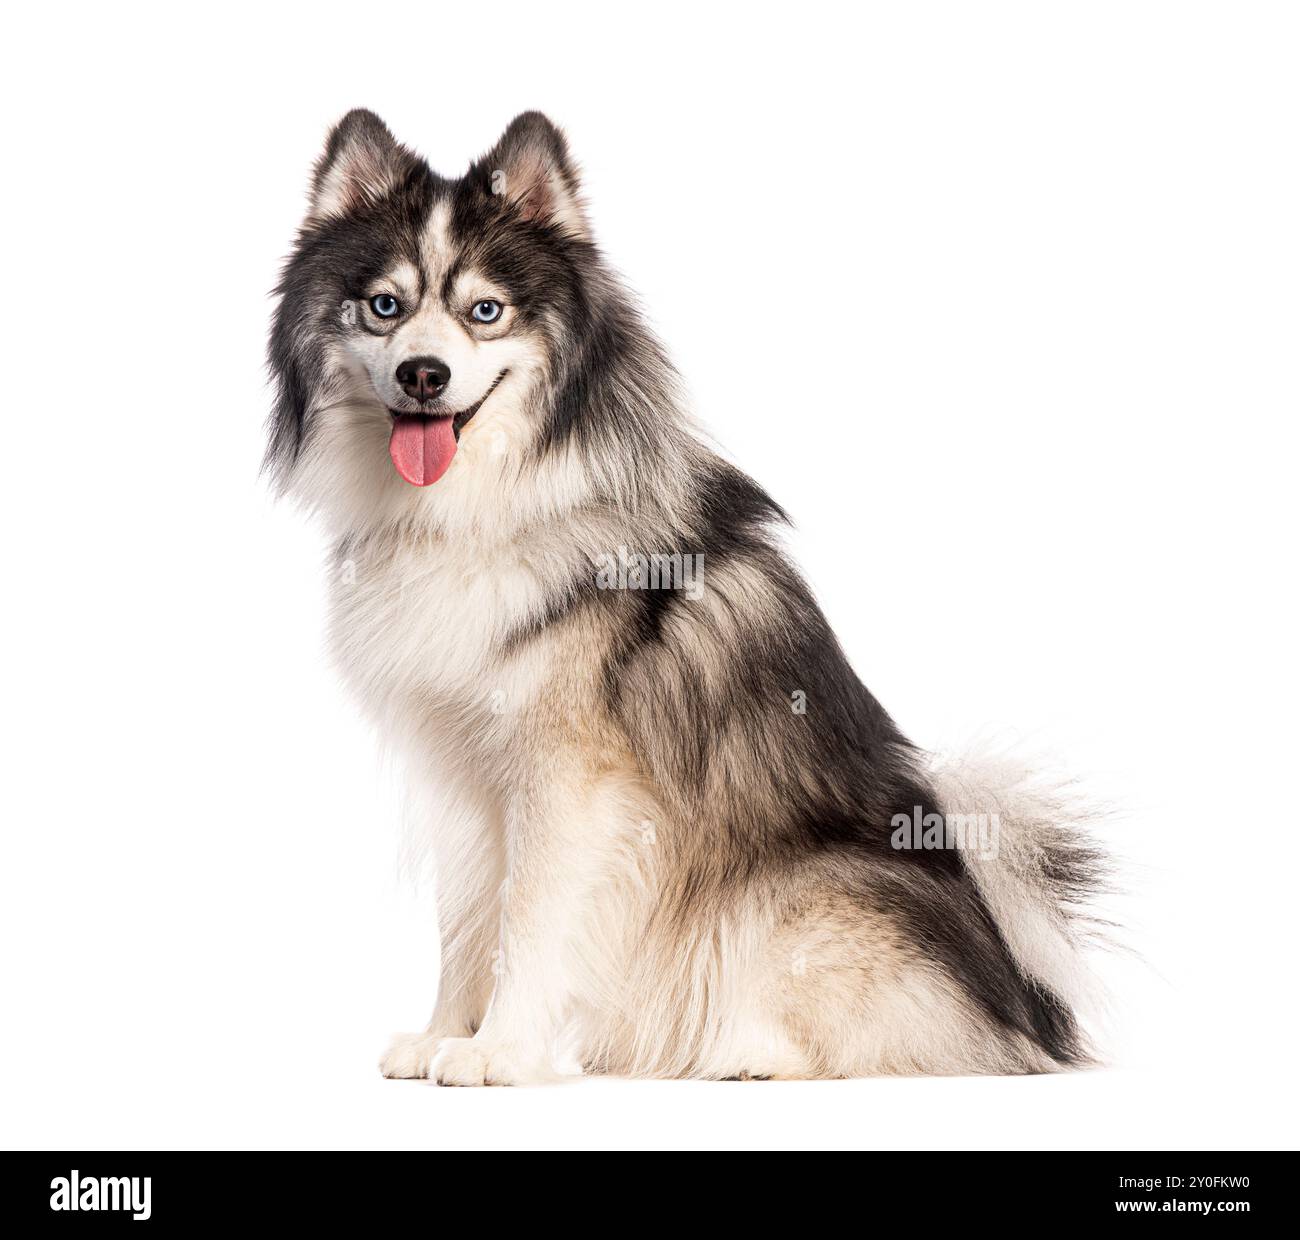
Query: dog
[674,832]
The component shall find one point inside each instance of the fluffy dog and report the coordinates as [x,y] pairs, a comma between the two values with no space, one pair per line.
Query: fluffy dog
[676,831]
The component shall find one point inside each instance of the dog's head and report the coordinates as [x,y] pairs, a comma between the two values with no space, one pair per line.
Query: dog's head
[428,328]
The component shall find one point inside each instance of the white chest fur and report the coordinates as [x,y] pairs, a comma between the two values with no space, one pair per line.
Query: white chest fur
[422,622]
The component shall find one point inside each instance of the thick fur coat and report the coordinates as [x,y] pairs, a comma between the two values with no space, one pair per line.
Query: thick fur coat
[669,827]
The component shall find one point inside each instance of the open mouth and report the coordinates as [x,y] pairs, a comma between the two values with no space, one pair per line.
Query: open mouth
[422,444]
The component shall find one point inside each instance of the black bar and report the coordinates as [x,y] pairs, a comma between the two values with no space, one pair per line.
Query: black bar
[434,1189]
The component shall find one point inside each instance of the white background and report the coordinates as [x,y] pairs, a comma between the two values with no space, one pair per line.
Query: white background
[999,300]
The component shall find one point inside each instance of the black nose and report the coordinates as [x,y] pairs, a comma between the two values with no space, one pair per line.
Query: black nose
[423,377]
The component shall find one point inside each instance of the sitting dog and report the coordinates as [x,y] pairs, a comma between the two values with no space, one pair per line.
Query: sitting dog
[676,832]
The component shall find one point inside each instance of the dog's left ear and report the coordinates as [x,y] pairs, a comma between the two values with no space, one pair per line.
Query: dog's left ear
[532,170]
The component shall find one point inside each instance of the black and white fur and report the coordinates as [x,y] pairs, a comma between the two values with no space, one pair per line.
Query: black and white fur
[642,847]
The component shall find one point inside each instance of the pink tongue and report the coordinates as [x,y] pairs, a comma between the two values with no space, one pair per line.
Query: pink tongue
[421,448]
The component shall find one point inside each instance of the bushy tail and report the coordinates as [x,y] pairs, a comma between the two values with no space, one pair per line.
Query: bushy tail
[1040,880]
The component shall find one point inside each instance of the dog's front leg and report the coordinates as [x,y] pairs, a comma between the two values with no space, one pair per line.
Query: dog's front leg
[468,847]
[550,854]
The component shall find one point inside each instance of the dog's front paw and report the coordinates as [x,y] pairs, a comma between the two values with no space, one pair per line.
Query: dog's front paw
[472,1061]
[409,1055]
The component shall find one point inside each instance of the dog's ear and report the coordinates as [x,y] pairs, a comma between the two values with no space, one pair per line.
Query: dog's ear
[361,164]
[532,170]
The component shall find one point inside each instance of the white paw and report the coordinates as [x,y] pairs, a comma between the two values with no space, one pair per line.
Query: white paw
[472,1061]
[409,1055]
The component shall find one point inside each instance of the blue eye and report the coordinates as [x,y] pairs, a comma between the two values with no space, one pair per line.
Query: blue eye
[487,311]
[385,305]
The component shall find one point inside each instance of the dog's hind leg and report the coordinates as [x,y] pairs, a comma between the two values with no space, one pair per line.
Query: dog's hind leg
[755,1048]
[863,996]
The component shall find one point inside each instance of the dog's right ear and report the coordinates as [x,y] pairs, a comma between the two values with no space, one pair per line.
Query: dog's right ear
[362,164]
